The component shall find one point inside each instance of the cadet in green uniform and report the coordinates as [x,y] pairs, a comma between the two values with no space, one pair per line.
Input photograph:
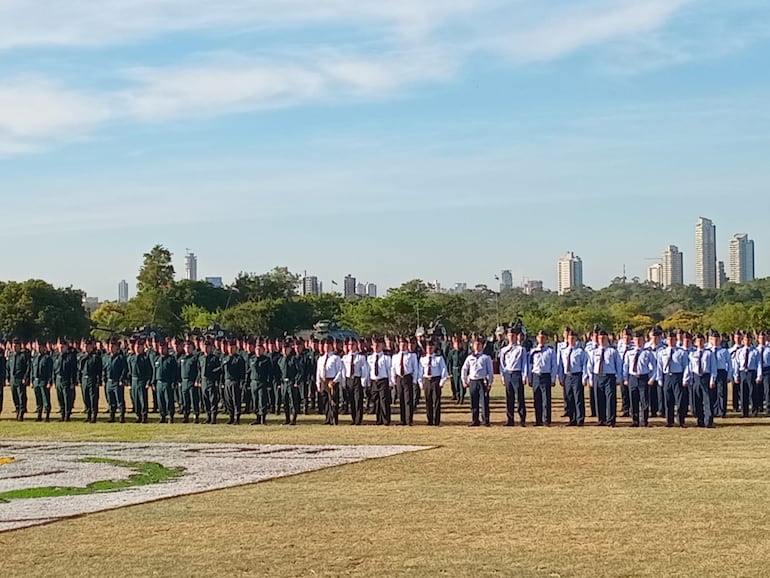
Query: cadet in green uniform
[90,374]
[42,380]
[455,360]
[18,377]
[261,375]
[140,370]
[274,353]
[166,376]
[247,352]
[3,374]
[65,371]
[288,365]
[209,376]
[115,375]
[234,373]
[191,391]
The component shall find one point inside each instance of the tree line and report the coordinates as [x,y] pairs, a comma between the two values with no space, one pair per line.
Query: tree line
[269,304]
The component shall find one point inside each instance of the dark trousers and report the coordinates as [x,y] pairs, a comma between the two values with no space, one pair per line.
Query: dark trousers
[210,395]
[749,388]
[576,405]
[91,398]
[637,391]
[625,398]
[433,400]
[479,401]
[355,399]
[702,400]
[662,403]
[457,386]
[766,388]
[652,397]
[165,393]
[233,398]
[381,401]
[676,397]
[606,398]
[719,395]
[737,395]
[291,400]
[592,403]
[42,398]
[191,398]
[19,394]
[514,397]
[65,394]
[260,393]
[116,397]
[541,387]
[139,398]
[404,390]
[332,403]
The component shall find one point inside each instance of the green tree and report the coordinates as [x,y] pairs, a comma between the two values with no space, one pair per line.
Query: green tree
[157,271]
[108,319]
[35,309]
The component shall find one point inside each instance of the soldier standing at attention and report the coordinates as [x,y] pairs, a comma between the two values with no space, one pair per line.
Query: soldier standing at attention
[700,376]
[18,377]
[455,360]
[513,370]
[379,376]
[724,371]
[3,373]
[477,375]
[639,368]
[433,375]
[209,376]
[747,372]
[763,347]
[140,371]
[65,370]
[261,374]
[91,379]
[405,370]
[166,375]
[289,367]
[234,373]
[672,361]
[42,380]
[356,378]
[624,345]
[330,377]
[573,364]
[542,372]
[605,370]
[115,369]
[189,369]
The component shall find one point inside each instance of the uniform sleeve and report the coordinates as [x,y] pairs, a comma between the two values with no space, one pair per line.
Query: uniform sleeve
[554,368]
[340,377]
[465,370]
[444,372]
[687,371]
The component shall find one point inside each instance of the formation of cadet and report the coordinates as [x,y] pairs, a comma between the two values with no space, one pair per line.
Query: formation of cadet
[671,376]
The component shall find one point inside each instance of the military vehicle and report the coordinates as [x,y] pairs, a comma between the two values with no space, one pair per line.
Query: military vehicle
[324,329]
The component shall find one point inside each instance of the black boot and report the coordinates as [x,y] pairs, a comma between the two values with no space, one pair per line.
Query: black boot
[122,417]
[93,417]
[39,415]
[88,418]
[112,417]
[47,415]
[294,419]
[171,419]
[186,418]
[197,419]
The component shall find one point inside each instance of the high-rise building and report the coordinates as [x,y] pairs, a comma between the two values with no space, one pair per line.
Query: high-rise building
[90,304]
[570,272]
[741,259]
[506,280]
[705,254]
[672,267]
[361,289]
[190,266]
[655,274]
[721,275]
[371,290]
[123,292]
[532,286]
[459,288]
[349,286]
[310,285]
[215,281]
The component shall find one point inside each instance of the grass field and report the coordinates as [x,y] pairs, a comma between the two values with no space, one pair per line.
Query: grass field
[500,501]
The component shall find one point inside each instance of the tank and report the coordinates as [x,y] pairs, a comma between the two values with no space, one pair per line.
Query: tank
[324,329]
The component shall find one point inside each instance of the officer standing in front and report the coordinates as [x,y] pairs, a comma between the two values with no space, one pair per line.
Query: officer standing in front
[573,365]
[478,374]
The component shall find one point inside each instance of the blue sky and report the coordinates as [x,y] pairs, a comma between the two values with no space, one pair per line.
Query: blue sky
[439,139]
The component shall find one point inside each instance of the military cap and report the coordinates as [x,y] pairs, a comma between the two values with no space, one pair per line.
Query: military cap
[714,333]
[603,332]
[542,333]
[639,334]
[686,334]
[514,330]
[596,329]
[627,330]
[16,341]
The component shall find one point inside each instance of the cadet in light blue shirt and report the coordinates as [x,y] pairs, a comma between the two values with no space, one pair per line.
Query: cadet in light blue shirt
[573,367]
[672,361]
[514,365]
[604,372]
[638,376]
[625,344]
[747,370]
[724,373]
[763,346]
[543,370]
[700,376]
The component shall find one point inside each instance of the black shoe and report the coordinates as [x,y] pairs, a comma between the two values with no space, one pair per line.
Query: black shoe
[509,424]
[197,419]
[163,419]
[238,420]
[139,419]
[122,418]
[231,421]
[256,422]
[112,418]
[186,418]
[474,424]
[171,419]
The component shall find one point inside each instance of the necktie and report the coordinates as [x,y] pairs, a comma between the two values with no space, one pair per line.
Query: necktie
[376,365]
[636,361]
[601,361]
[670,358]
[429,364]
[402,364]
[700,362]
[569,360]
[746,359]
[326,365]
[352,365]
